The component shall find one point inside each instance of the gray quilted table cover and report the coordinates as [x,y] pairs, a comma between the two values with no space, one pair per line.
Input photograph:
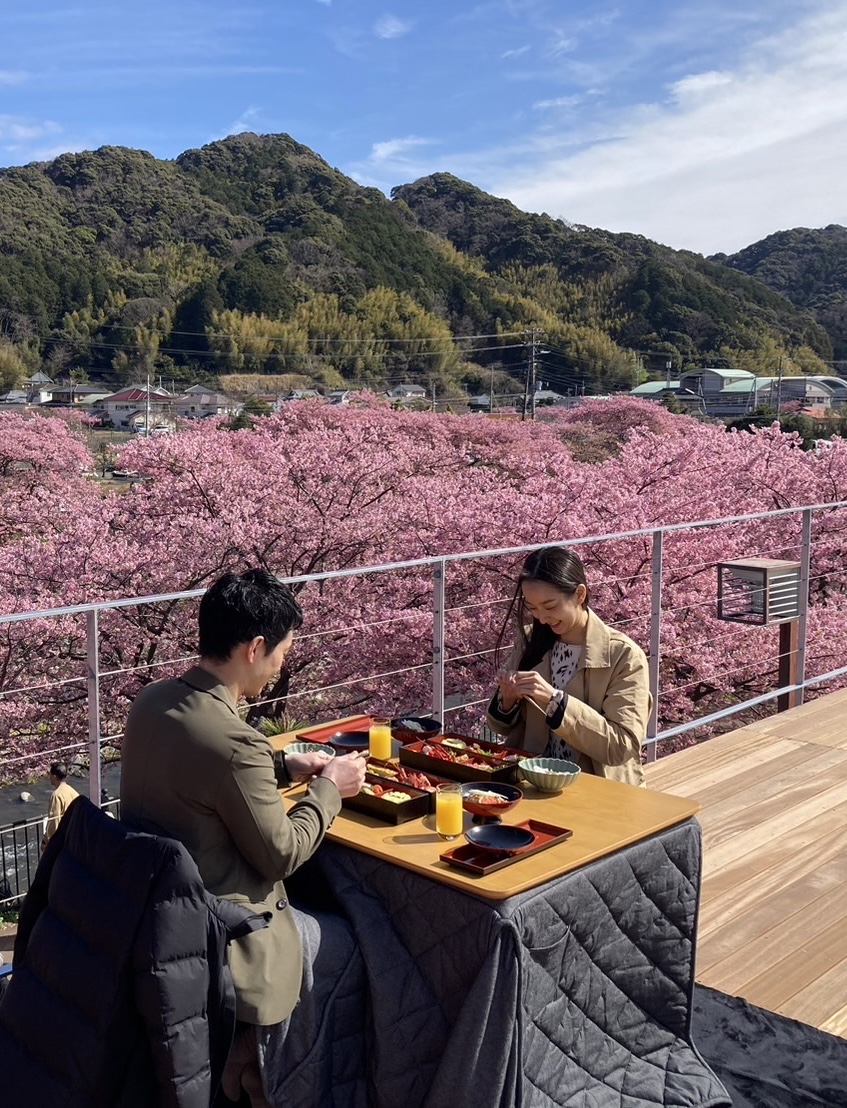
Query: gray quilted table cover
[578,992]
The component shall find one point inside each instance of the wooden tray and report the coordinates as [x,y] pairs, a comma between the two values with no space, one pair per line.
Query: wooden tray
[417,805]
[412,755]
[473,860]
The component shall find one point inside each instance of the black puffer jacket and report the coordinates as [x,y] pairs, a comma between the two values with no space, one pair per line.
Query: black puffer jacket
[121,994]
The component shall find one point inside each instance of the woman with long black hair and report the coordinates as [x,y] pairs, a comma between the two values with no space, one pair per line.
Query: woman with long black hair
[573,687]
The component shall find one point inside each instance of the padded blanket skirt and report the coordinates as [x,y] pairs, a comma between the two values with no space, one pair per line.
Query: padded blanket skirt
[576,993]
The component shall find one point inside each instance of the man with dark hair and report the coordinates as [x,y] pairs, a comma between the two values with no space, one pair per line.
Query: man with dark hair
[193,769]
[61,798]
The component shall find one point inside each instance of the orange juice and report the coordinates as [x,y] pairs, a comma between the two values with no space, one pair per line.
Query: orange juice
[379,741]
[448,811]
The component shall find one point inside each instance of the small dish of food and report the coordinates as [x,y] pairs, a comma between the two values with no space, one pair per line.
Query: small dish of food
[488,800]
[410,729]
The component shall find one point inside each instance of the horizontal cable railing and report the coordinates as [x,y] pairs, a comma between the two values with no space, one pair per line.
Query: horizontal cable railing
[442,641]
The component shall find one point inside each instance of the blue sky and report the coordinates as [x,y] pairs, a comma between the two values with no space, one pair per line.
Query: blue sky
[704,126]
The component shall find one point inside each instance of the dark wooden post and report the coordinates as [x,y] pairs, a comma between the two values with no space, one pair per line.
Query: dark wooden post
[788,641]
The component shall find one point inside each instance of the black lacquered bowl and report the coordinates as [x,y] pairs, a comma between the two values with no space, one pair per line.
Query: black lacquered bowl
[410,729]
[349,740]
[500,838]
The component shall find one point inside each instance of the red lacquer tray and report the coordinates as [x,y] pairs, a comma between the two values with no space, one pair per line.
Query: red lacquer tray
[321,734]
[481,862]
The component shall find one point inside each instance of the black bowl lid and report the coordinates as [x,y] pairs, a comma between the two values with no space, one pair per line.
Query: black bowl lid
[350,740]
[500,837]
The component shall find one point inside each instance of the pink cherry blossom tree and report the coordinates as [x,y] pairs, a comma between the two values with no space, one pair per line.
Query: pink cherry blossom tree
[317,488]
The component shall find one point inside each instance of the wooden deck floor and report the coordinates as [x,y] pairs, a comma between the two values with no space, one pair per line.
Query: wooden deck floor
[773,915]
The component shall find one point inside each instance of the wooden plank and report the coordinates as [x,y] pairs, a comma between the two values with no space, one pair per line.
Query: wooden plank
[730,891]
[751,811]
[773,914]
[821,996]
[664,773]
[767,777]
[758,937]
[836,1024]
[757,769]
[732,768]
[744,833]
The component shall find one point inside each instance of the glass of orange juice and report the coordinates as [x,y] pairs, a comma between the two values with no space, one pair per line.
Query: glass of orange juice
[379,740]
[448,810]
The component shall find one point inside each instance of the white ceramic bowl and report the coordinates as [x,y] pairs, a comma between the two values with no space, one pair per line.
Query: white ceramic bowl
[310,748]
[549,775]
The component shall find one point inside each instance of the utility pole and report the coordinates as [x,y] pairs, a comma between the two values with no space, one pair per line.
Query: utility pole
[779,389]
[526,386]
[491,394]
[532,371]
[147,407]
[530,383]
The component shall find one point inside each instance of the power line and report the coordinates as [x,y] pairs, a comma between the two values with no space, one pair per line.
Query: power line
[278,338]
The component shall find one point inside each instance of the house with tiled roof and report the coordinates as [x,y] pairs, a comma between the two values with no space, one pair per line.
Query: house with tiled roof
[127,409]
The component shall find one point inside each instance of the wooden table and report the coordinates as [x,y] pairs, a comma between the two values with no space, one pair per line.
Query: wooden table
[570,971]
[604,816]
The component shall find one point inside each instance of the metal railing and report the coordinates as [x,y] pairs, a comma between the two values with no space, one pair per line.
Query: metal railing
[443,614]
[20,849]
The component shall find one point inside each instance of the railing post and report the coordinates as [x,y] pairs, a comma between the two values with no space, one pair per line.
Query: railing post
[655,641]
[805,576]
[439,570]
[92,654]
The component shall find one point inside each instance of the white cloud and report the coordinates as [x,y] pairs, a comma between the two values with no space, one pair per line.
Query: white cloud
[13,76]
[558,102]
[516,53]
[389,26]
[727,158]
[699,85]
[245,122]
[394,149]
[18,129]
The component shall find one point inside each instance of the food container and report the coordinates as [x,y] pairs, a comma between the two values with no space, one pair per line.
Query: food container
[487,762]
[389,811]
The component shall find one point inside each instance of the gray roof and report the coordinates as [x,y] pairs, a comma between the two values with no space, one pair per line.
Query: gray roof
[750,385]
[651,388]
[735,374]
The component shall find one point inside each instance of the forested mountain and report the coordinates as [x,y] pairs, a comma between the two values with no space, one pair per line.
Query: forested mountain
[809,268]
[253,254]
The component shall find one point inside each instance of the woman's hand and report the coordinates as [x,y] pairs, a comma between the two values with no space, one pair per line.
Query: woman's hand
[508,695]
[529,685]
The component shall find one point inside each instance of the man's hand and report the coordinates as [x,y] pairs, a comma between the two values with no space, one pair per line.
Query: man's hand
[347,772]
[303,767]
